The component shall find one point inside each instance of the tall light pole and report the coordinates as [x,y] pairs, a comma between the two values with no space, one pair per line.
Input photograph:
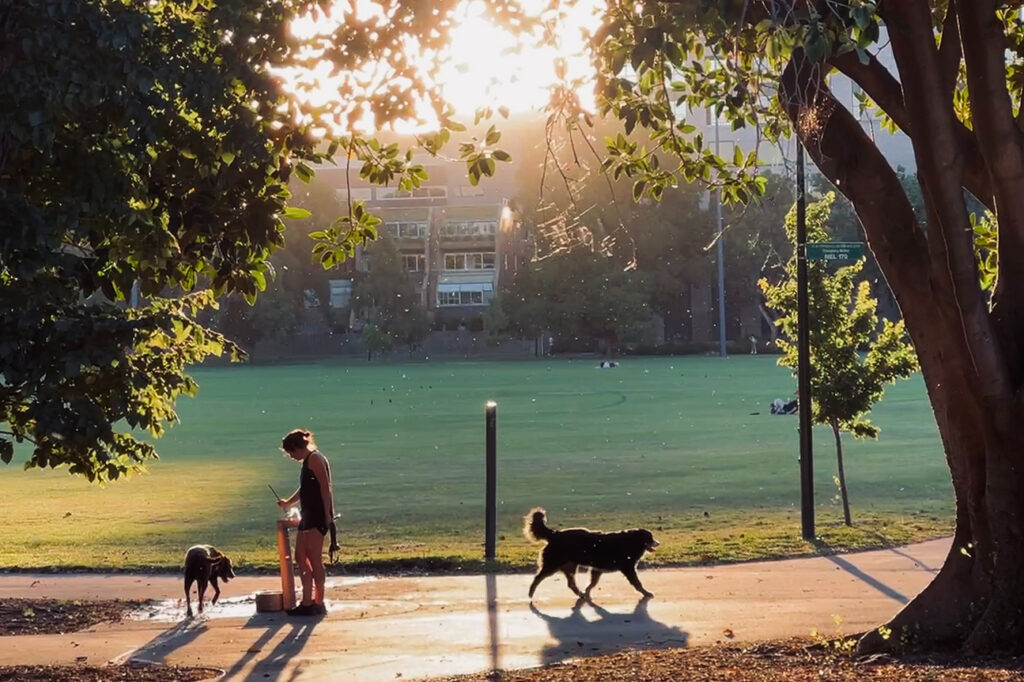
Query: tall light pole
[720,251]
[803,354]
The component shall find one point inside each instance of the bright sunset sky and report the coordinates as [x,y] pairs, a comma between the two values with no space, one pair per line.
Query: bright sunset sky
[516,79]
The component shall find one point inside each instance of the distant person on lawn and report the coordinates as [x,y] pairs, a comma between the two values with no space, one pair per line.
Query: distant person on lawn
[316,505]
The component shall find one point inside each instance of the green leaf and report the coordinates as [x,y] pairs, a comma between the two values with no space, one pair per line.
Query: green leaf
[304,172]
[638,189]
[296,213]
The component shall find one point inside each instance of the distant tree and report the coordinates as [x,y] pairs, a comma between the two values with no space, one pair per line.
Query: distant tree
[276,314]
[753,245]
[671,239]
[376,340]
[524,306]
[300,271]
[387,298]
[852,356]
[585,299]
[494,317]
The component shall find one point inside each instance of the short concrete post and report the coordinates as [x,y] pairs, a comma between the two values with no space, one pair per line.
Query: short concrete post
[491,493]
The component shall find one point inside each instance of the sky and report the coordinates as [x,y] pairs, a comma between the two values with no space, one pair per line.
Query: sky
[514,72]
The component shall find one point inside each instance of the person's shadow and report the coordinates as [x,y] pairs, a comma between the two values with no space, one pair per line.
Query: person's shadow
[157,649]
[609,632]
[270,666]
[253,663]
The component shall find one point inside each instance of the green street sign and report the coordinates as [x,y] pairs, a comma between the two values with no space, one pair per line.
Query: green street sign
[835,252]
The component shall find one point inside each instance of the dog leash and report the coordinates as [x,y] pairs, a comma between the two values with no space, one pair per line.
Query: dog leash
[335,548]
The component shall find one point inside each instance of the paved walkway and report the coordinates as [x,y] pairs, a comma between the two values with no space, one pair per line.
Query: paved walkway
[407,628]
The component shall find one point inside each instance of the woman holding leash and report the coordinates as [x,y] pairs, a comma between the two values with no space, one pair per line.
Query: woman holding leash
[316,505]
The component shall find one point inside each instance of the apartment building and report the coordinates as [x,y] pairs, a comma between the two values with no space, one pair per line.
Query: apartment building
[457,241]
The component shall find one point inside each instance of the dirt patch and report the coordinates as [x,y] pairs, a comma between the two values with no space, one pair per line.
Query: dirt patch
[113,673]
[57,616]
[793,661]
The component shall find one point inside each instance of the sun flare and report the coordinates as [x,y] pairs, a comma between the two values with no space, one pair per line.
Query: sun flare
[489,66]
[483,65]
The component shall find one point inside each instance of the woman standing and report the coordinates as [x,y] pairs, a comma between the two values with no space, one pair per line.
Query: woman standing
[316,504]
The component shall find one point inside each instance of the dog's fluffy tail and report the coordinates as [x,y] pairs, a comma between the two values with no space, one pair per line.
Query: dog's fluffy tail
[534,527]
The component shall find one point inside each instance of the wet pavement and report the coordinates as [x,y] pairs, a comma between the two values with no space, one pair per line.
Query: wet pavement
[407,628]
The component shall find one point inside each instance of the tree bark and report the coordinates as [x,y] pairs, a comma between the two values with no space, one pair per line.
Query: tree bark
[971,349]
[976,599]
[842,473]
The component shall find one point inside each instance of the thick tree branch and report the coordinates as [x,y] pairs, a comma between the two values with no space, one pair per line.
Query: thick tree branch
[940,164]
[984,46]
[950,51]
[851,161]
[882,87]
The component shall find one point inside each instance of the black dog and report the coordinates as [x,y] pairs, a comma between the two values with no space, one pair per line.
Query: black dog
[602,552]
[204,564]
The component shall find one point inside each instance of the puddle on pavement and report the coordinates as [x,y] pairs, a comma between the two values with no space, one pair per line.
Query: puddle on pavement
[173,610]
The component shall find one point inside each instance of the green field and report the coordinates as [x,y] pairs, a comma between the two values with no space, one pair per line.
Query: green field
[672,444]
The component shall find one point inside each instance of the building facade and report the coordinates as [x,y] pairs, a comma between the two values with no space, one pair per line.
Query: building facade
[457,241]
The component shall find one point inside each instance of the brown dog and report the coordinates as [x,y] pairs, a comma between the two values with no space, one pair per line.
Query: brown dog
[204,564]
[602,552]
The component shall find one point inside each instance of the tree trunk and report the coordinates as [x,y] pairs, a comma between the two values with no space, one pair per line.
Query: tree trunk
[842,473]
[774,329]
[977,599]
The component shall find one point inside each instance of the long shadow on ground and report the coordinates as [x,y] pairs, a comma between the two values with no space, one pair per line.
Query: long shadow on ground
[288,636]
[609,632]
[272,665]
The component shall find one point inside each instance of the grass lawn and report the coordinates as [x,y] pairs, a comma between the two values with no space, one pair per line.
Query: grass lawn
[685,446]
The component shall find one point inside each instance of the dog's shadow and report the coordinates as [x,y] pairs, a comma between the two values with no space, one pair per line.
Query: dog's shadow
[610,632]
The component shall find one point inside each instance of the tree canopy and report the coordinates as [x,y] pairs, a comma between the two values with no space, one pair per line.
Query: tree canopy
[149,147]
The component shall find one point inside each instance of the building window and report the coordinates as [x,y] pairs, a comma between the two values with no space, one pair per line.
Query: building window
[341,292]
[358,194]
[408,229]
[469,261]
[470,228]
[460,298]
[465,293]
[448,297]
[435,192]
[413,262]
[470,191]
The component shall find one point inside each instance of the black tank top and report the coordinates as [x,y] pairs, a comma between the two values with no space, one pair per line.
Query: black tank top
[311,500]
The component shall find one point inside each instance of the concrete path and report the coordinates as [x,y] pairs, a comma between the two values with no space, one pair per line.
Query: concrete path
[407,628]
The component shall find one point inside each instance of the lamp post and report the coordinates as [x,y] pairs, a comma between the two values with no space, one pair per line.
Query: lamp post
[720,255]
[803,354]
